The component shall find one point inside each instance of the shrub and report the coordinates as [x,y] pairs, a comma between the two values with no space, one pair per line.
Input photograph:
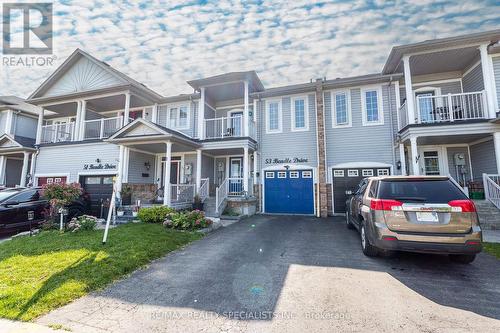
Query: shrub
[59,195]
[189,220]
[84,222]
[155,214]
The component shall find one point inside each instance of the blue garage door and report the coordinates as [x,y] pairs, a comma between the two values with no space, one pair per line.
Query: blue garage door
[289,192]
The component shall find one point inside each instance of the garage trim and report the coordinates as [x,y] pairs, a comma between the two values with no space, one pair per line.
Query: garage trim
[289,167]
[53,174]
[358,165]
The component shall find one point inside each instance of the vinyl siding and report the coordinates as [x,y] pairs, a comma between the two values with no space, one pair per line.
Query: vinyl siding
[483,159]
[496,70]
[25,126]
[450,152]
[136,168]
[453,87]
[473,81]
[361,143]
[3,118]
[13,170]
[70,159]
[287,144]
[193,121]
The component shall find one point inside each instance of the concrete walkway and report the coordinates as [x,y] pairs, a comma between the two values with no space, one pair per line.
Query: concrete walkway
[9,326]
[292,274]
[491,236]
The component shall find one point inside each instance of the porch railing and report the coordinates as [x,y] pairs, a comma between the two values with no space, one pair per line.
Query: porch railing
[403,115]
[492,189]
[451,107]
[57,132]
[102,128]
[204,189]
[224,127]
[182,194]
[221,193]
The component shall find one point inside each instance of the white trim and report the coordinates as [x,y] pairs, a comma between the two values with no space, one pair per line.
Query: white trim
[280,117]
[178,106]
[305,98]
[352,173]
[360,165]
[380,103]
[52,174]
[333,108]
[471,68]
[431,82]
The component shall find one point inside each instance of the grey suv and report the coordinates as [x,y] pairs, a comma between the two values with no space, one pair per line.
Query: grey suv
[427,214]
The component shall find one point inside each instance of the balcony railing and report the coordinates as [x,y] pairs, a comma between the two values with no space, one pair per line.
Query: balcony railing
[57,132]
[182,194]
[102,128]
[225,127]
[451,107]
[403,115]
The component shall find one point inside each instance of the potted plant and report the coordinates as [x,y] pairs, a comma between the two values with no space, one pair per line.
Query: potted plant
[197,203]
[135,211]
[126,195]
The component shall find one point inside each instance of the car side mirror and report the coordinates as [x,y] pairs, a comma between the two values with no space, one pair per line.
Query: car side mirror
[11,203]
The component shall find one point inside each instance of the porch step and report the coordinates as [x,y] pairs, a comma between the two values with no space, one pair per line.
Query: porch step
[209,207]
[489,215]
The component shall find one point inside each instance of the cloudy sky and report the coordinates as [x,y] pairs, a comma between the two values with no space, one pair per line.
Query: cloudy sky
[165,43]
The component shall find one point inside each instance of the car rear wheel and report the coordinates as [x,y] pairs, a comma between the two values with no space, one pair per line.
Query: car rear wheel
[347,221]
[368,249]
[462,258]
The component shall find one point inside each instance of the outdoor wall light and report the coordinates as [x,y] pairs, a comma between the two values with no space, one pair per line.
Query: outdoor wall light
[398,165]
[147,165]
[97,160]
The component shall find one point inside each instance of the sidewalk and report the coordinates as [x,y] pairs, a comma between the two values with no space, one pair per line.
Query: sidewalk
[491,236]
[10,326]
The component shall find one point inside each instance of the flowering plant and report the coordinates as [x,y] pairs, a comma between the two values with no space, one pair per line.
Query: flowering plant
[187,220]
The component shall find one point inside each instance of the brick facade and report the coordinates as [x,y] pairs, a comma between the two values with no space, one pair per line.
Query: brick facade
[320,126]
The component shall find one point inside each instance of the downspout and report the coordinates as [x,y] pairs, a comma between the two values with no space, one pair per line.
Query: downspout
[392,124]
[33,166]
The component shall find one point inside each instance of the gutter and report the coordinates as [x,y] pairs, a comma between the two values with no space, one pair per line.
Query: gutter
[392,123]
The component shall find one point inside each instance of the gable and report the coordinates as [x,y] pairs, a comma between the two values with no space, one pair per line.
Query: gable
[83,75]
[6,142]
[140,129]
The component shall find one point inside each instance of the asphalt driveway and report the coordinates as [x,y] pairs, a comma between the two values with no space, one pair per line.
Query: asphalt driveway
[292,274]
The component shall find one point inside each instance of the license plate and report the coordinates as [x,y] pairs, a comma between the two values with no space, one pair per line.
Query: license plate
[427,217]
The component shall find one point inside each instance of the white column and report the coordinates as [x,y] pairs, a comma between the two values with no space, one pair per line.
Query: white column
[166,181]
[119,175]
[154,115]
[414,156]
[198,170]
[82,119]
[496,141]
[245,110]
[39,127]
[402,159]
[126,109]
[24,171]
[76,129]
[32,169]
[201,114]
[488,81]
[245,169]
[255,168]
[9,121]
[126,159]
[410,101]
[3,164]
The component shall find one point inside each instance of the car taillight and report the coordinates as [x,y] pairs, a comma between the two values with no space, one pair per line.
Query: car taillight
[464,206]
[385,204]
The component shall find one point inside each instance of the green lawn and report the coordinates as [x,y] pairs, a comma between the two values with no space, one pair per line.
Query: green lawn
[492,248]
[41,273]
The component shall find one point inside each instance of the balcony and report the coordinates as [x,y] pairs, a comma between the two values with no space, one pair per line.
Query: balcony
[228,127]
[448,108]
[92,129]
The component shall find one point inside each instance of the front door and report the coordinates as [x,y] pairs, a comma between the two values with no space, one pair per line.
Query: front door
[426,106]
[175,172]
[235,175]
[431,163]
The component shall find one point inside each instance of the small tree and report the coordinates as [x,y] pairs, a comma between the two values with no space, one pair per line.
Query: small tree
[60,195]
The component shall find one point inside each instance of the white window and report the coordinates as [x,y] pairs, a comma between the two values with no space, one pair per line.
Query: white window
[352,173]
[273,117]
[371,99]
[178,117]
[341,109]
[57,180]
[306,174]
[294,174]
[269,174]
[282,174]
[300,114]
[383,172]
[367,172]
[338,173]
[50,180]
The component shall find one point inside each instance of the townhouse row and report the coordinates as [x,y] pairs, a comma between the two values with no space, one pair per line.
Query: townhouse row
[296,149]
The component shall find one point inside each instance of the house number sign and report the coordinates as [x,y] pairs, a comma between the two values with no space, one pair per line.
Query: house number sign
[100,166]
[286,160]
